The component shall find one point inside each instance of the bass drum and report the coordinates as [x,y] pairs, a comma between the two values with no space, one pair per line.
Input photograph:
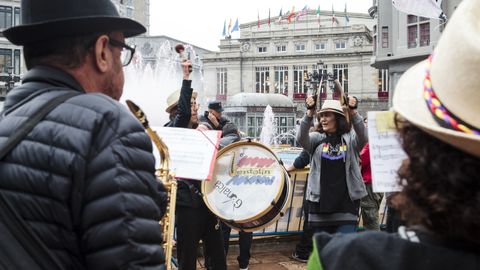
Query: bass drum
[249,189]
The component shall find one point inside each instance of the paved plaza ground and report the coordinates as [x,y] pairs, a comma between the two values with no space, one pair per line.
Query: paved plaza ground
[267,254]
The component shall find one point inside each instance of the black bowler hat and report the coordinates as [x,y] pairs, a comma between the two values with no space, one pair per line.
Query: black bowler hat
[216,106]
[50,19]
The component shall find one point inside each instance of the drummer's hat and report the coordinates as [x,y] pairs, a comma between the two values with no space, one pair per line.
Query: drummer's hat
[172,100]
[50,19]
[441,95]
[331,105]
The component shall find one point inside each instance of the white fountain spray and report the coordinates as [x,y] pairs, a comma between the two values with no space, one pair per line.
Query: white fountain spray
[268,128]
[149,81]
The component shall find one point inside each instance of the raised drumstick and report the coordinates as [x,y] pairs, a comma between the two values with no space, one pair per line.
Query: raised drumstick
[180,49]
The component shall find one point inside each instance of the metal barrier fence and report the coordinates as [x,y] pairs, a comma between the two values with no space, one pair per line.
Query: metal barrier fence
[292,221]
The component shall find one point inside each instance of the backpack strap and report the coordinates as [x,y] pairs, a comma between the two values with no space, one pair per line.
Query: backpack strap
[17,226]
[33,121]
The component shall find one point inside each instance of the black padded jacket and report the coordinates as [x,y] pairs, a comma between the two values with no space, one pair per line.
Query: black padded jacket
[83,178]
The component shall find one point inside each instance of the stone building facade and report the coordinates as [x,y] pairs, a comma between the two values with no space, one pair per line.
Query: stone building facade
[138,10]
[401,40]
[278,58]
[11,56]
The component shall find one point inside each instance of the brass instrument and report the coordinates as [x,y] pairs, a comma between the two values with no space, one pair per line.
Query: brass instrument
[168,221]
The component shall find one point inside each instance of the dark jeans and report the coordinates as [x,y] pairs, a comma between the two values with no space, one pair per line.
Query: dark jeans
[393,220]
[193,225]
[305,247]
[337,229]
[244,242]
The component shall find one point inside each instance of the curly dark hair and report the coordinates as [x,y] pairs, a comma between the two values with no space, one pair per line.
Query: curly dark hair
[342,125]
[441,187]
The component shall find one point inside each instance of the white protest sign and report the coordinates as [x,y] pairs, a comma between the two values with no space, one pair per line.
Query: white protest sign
[386,153]
[192,152]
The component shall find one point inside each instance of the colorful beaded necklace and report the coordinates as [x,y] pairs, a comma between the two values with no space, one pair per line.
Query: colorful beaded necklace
[445,117]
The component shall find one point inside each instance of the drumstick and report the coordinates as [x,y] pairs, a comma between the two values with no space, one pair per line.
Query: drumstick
[180,49]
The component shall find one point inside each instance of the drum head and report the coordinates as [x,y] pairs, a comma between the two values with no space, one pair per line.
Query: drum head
[248,181]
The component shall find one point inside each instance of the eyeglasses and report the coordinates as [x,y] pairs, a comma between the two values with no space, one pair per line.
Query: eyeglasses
[127,51]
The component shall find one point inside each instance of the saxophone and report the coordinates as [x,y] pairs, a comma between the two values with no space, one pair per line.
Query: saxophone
[168,180]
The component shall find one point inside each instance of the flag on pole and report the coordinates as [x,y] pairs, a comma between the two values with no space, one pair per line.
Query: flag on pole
[290,16]
[426,8]
[347,19]
[269,17]
[302,12]
[318,14]
[235,26]
[258,17]
[334,19]
[224,33]
[280,15]
[229,26]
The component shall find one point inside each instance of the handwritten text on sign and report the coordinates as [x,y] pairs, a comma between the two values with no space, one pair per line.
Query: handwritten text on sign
[386,154]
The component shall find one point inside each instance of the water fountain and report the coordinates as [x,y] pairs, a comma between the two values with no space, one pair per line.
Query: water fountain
[268,127]
[151,78]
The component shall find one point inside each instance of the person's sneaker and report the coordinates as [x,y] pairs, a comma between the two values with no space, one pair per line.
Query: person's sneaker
[299,258]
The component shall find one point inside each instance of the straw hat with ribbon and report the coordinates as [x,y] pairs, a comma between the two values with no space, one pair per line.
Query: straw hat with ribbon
[441,95]
[172,100]
[331,105]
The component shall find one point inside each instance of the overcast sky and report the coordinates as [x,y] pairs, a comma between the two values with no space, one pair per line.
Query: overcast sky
[201,22]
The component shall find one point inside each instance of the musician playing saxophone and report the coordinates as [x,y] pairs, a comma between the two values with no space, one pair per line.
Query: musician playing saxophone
[194,220]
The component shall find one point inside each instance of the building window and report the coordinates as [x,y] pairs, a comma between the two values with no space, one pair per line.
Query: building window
[383,80]
[5,60]
[340,72]
[254,126]
[384,36]
[281,80]
[424,34]
[262,49]
[262,79]
[281,48]
[129,12]
[16,62]
[299,86]
[374,39]
[5,17]
[221,81]
[418,26]
[340,45]
[17,16]
[383,83]
[320,46]
[300,47]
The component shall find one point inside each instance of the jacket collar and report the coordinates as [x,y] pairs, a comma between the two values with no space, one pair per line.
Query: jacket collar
[53,77]
[41,77]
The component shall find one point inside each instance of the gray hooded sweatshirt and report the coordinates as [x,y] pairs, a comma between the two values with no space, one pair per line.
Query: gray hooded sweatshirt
[355,140]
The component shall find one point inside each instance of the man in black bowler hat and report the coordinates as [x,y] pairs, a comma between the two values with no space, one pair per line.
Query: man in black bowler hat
[214,115]
[83,179]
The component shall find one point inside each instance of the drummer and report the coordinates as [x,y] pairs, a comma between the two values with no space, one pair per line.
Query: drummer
[230,134]
[194,221]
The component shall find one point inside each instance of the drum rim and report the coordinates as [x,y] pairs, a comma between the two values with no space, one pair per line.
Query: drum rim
[270,206]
